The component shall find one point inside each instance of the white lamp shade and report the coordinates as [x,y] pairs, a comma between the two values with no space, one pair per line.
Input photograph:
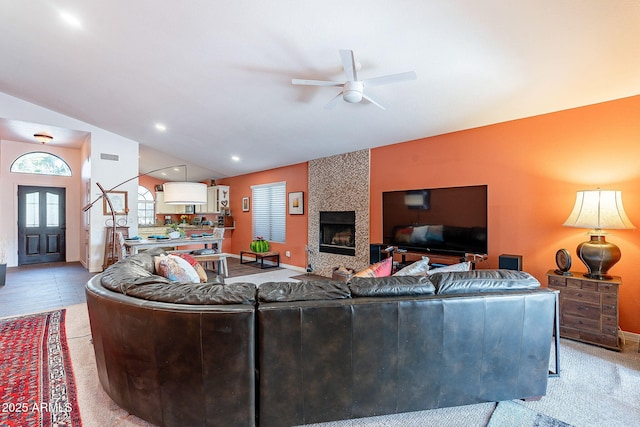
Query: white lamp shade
[185,193]
[598,209]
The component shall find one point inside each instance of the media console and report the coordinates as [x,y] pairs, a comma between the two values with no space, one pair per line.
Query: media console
[406,257]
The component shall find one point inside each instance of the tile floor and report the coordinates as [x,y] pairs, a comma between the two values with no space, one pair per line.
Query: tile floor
[41,287]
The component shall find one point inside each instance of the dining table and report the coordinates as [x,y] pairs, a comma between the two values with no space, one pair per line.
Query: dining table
[134,245]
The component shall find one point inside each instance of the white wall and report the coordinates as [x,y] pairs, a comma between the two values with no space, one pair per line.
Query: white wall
[11,150]
[83,230]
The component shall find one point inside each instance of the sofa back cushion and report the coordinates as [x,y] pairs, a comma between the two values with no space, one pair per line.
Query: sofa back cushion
[393,286]
[197,293]
[135,276]
[302,291]
[462,282]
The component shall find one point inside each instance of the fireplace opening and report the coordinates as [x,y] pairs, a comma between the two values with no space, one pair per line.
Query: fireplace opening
[338,232]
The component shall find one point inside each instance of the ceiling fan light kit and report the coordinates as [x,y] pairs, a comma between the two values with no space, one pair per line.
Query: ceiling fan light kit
[353,89]
[352,92]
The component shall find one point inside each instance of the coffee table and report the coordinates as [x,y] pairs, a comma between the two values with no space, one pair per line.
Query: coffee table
[274,257]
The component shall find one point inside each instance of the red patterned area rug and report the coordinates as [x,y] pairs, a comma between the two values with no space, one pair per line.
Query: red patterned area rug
[37,387]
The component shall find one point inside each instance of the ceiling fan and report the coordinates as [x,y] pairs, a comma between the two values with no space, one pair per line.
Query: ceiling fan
[353,89]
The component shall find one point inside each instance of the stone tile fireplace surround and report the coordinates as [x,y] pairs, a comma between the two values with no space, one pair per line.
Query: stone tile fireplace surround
[339,183]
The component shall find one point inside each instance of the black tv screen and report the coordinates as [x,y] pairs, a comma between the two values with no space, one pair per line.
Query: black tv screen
[450,221]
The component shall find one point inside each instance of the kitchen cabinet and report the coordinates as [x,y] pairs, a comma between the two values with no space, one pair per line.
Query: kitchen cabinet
[162,207]
[217,200]
[167,209]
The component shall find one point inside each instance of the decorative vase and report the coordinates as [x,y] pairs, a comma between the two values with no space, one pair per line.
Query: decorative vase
[259,245]
[175,235]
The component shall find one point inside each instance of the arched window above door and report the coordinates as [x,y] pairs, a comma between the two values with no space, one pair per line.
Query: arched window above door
[41,163]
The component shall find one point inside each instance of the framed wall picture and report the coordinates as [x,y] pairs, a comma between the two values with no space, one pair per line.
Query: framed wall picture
[119,202]
[245,204]
[296,203]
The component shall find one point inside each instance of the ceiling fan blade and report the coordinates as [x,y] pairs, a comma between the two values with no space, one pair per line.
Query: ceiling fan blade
[334,101]
[368,98]
[391,78]
[315,82]
[349,65]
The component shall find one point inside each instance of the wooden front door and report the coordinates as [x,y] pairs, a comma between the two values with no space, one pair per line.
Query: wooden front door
[41,224]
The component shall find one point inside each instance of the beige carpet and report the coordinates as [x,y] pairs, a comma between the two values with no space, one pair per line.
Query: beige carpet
[597,387]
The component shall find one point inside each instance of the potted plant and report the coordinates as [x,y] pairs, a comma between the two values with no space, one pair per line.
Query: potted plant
[174,231]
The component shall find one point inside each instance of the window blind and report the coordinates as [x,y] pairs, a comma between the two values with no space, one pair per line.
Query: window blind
[269,208]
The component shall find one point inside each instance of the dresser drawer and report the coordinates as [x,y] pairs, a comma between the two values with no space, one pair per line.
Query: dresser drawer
[609,298]
[581,309]
[610,329]
[582,295]
[608,287]
[610,309]
[606,340]
[582,284]
[610,319]
[557,281]
[581,323]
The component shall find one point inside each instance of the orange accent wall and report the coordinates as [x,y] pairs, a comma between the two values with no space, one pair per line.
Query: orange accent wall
[533,168]
[297,179]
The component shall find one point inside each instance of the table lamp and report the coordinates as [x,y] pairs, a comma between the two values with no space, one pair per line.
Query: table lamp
[598,209]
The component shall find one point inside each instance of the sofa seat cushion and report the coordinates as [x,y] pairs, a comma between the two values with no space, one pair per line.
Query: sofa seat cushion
[459,282]
[302,291]
[394,286]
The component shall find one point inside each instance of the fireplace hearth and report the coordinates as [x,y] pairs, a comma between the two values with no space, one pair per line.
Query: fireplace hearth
[338,232]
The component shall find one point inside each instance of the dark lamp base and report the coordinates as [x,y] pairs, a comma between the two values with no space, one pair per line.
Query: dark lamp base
[599,256]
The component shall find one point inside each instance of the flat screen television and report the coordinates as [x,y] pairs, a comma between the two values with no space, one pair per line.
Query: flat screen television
[449,221]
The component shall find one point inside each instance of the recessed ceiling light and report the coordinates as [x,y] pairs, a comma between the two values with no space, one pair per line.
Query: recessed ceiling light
[161,127]
[235,158]
[70,19]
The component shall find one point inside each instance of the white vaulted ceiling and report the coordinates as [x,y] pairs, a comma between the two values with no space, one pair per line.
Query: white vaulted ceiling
[218,74]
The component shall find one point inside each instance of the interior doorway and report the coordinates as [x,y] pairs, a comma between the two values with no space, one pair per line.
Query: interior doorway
[41,224]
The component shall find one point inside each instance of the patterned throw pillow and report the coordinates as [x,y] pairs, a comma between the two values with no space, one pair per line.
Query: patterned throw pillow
[196,265]
[379,269]
[175,269]
[418,268]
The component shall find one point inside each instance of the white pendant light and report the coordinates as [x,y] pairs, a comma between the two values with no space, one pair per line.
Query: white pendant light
[185,193]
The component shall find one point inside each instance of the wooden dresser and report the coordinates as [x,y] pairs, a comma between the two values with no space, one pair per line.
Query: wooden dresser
[588,308]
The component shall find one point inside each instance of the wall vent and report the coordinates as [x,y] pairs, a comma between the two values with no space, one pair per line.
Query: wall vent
[105,156]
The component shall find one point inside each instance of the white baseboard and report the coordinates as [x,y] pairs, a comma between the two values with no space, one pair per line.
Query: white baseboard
[629,337]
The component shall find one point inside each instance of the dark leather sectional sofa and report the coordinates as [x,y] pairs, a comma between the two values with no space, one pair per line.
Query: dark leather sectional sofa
[289,354]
